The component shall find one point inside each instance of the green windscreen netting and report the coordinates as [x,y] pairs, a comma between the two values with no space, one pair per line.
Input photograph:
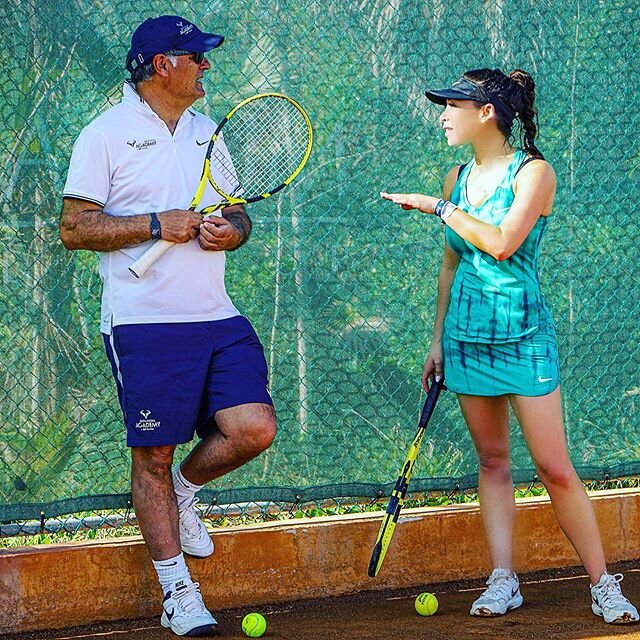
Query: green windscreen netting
[340,285]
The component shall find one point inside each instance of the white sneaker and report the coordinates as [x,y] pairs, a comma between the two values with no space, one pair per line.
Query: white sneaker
[607,601]
[502,594]
[184,612]
[194,537]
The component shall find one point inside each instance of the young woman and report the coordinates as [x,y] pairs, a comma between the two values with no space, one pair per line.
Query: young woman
[494,336]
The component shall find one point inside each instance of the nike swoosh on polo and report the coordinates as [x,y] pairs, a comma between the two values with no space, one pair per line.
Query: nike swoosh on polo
[201,143]
[541,379]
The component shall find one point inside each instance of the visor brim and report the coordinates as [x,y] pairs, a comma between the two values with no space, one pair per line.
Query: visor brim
[442,95]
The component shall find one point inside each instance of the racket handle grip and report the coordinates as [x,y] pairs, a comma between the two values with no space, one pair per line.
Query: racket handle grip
[142,264]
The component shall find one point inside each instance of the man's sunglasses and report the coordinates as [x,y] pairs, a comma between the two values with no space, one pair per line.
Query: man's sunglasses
[196,57]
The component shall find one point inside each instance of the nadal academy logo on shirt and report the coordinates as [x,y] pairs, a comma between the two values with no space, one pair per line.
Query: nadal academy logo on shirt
[138,145]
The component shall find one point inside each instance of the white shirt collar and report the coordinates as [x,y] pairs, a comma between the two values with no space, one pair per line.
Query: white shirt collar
[133,99]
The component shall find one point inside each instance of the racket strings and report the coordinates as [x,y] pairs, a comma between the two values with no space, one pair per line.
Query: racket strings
[267,139]
[221,163]
[276,141]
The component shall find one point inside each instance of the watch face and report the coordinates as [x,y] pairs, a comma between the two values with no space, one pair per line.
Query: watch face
[156,232]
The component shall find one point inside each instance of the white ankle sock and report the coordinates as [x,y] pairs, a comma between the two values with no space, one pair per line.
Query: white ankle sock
[170,571]
[185,490]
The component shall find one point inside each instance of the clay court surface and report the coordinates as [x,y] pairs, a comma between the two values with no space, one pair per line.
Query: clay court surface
[557,607]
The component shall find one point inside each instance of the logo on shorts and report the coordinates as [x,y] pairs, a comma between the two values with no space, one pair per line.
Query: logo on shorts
[541,379]
[147,423]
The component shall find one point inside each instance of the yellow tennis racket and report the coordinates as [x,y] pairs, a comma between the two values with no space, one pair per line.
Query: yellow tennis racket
[399,492]
[260,146]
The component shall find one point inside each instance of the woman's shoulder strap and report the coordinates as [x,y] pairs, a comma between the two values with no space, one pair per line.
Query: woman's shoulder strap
[526,161]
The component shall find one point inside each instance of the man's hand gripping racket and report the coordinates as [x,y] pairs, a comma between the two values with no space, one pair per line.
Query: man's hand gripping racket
[257,150]
[399,493]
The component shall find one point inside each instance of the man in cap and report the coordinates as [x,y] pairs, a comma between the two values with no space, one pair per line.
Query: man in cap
[183,358]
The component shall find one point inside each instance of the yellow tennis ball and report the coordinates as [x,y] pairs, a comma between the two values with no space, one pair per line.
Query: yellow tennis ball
[254,625]
[426,604]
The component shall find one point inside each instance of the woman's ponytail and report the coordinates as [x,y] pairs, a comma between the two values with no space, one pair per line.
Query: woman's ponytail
[523,99]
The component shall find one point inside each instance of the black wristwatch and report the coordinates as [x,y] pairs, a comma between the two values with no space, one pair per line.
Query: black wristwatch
[156,229]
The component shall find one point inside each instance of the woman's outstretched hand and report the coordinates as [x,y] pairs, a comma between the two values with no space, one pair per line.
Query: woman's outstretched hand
[411,201]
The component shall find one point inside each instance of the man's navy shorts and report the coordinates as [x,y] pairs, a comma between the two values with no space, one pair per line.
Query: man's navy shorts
[172,378]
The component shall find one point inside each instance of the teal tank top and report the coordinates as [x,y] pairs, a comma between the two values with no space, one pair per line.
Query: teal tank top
[491,300]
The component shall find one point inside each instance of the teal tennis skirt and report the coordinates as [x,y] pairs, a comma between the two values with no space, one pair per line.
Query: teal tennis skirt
[527,367]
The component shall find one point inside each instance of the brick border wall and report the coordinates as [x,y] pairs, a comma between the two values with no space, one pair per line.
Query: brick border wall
[291,560]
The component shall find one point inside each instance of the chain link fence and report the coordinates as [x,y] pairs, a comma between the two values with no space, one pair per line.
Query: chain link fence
[340,287]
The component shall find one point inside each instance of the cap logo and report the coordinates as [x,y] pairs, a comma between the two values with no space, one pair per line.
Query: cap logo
[184,28]
[141,58]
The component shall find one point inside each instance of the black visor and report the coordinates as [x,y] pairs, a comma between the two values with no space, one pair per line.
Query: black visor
[462,89]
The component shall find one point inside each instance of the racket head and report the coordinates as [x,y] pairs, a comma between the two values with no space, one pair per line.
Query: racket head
[259,147]
[390,520]
[387,528]
[380,549]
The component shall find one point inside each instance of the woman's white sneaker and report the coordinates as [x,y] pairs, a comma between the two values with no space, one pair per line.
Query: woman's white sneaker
[502,594]
[183,612]
[607,601]
[194,537]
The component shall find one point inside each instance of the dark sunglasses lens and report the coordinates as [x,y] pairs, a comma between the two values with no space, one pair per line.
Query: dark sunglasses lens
[198,57]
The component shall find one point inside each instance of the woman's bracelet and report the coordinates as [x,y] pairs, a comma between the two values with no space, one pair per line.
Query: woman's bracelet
[443,209]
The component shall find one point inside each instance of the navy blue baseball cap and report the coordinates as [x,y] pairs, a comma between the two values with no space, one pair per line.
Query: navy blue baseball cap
[168,33]
[463,89]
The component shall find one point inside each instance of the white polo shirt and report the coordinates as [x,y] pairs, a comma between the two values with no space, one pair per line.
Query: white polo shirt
[129,163]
